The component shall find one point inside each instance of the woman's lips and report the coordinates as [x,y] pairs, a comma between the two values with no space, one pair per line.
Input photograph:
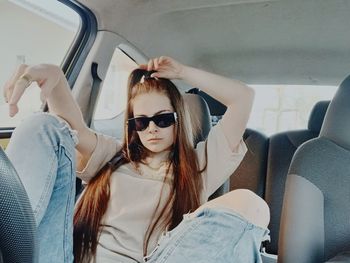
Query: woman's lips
[154,139]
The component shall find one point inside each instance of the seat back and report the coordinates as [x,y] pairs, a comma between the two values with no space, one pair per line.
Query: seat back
[199,115]
[251,173]
[315,216]
[200,118]
[17,224]
[282,146]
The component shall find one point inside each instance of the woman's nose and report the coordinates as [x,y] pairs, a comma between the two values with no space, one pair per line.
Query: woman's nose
[152,127]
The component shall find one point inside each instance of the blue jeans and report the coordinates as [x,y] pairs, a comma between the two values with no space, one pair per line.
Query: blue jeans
[42,151]
[211,235]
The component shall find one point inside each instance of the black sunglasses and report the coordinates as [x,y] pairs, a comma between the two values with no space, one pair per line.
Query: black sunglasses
[161,120]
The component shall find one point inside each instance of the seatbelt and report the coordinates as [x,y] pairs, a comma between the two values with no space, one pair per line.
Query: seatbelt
[96,82]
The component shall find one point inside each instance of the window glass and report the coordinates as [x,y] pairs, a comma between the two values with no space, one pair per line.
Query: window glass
[37,31]
[279,108]
[112,99]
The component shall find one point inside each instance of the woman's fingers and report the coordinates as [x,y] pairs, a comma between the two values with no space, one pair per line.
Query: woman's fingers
[155,64]
[14,88]
[10,84]
[6,91]
[143,66]
[165,67]
[164,60]
[46,76]
[161,74]
[19,87]
[150,65]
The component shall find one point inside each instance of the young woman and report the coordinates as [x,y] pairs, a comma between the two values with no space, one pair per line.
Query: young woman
[145,198]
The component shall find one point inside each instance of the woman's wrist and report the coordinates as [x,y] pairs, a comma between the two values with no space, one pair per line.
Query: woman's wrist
[183,73]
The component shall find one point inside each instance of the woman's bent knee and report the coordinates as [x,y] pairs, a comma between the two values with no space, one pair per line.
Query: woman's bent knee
[46,122]
[35,123]
[40,119]
[246,203]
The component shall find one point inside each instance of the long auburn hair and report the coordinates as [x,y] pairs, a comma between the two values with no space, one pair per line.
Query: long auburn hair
[186,184]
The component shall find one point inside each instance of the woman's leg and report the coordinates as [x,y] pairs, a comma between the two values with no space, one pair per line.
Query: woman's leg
[226,229]
[244,202]
[42,151]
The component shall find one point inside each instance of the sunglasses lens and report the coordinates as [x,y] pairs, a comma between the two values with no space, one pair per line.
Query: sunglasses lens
[141,124]
[164,120]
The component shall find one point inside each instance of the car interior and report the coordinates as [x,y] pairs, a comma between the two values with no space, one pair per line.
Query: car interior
[302,173]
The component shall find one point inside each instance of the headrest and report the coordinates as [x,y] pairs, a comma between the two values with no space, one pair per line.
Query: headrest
[200,116]
[317,116]
[216,108]
[336,125]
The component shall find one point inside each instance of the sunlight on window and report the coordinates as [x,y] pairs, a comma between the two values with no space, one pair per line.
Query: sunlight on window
[279,108]
[112,99]
[27,25]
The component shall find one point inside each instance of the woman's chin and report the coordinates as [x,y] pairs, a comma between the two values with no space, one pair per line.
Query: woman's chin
[154,149]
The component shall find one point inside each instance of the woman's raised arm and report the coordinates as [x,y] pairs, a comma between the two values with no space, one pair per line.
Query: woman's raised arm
[237,96]
[55,90]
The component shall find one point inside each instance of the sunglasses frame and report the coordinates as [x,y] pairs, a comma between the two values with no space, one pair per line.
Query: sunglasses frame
[149,119]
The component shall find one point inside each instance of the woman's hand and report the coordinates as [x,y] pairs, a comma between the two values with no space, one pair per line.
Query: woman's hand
[47,77]
[166,67]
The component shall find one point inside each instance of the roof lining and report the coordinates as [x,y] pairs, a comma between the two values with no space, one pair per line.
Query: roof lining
[210,6]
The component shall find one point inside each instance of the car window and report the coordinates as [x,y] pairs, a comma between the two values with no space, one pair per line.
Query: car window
[40,31]
[279,108]
[112,98]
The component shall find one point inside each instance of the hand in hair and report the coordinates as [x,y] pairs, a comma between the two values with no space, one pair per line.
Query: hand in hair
[166,67]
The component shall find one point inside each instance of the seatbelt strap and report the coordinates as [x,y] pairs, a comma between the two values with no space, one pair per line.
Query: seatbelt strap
[96,82]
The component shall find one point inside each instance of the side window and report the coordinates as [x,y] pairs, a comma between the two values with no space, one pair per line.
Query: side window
[108,117]
[279,108]
[34,32]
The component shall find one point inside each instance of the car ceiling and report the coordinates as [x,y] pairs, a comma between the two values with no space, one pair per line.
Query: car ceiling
[259,42]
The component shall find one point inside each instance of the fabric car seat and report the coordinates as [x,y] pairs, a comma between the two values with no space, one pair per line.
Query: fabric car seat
[251,173]
[282,146]
[18,241]
[315,220]
[199,115]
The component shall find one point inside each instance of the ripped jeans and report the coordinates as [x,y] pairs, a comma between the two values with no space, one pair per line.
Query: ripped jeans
[210,235]
[42,152]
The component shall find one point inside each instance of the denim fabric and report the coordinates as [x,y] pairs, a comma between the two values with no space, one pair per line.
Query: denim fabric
[42,151]
[210,236]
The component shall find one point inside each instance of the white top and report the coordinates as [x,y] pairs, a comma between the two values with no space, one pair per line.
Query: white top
[135,194]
